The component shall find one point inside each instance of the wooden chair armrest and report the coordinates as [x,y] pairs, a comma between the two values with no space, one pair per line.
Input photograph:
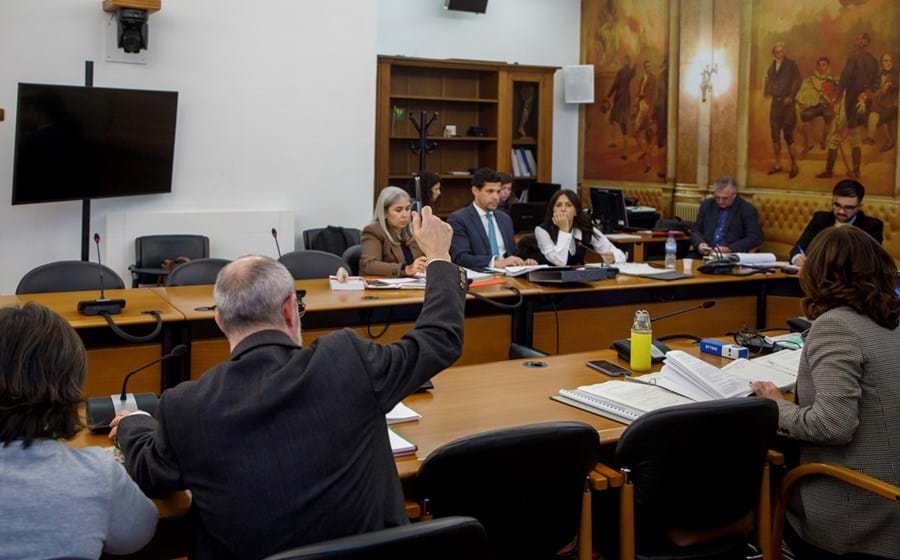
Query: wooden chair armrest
[597,481]
[413,509]
[616,479]
[776,458]
[850,476]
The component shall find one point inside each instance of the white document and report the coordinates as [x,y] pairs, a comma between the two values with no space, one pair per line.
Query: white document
[353,283]
[401,413]
[756,258]
[517,270]
[395,283]
[752,370]
[707,381]
[638,269]
[399,445]
[623,237]
[475,275]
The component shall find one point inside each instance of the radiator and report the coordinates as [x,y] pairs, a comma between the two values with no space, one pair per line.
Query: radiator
[687,211]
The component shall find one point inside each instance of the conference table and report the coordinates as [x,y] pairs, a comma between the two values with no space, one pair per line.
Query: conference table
[466,400]
[558,320]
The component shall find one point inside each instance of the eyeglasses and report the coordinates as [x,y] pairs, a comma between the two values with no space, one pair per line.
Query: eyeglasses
[846,208]
[301,305]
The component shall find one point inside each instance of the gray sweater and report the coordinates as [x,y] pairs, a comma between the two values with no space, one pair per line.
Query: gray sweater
[56,501]
[848,389]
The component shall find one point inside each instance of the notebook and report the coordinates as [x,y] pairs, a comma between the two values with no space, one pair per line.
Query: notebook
[620,400]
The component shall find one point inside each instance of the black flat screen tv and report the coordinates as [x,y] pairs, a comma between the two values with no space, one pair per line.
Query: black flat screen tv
[75,143]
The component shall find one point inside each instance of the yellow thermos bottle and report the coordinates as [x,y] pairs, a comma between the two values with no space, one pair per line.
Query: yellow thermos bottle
[641,336]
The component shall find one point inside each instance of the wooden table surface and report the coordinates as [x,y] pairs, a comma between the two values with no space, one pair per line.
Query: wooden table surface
[137,300]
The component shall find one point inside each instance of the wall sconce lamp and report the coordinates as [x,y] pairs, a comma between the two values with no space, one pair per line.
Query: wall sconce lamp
[706,82]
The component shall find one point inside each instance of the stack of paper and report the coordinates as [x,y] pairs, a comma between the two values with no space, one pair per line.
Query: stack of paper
[779,368]
[756,259]
[698,380]
[353,283]
[401,413]
[399,445]
[475,275]
[518,270]
[396,283]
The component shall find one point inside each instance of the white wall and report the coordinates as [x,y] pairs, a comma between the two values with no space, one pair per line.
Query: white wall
[540,32]
[276,110]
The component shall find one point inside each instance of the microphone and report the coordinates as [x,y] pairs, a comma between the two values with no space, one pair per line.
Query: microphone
[100,411]
[101,306]
[704,305]
[657,348]
[277,247]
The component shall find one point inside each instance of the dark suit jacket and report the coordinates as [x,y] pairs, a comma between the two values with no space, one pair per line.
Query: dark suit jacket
[380,257]
[742,231]
[822,220]
[471,247]
[283,446]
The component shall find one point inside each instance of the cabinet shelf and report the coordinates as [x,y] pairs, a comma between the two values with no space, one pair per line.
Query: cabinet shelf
[443,98]
[450,138]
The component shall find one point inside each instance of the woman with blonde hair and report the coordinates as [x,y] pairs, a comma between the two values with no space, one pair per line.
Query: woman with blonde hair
[388,248]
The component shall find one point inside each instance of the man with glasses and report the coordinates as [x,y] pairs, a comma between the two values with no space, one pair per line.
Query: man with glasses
[846,201]
[726,223]
[284,445]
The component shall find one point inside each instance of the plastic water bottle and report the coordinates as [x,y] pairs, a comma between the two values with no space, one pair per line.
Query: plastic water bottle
[671,249]
[641,337]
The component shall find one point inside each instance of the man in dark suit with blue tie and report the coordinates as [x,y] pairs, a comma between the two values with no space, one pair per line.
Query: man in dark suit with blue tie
[483,237]
[726,223]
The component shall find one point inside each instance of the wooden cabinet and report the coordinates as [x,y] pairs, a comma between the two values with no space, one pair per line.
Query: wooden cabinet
[484,101]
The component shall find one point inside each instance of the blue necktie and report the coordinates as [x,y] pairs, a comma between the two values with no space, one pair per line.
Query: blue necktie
[492,235]
[719,235]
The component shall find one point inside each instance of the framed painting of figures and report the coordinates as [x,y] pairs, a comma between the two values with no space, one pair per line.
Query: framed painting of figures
[625,129]
[823,91]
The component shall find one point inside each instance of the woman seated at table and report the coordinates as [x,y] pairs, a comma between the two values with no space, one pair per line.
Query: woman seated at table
[561,236]
[57,501]
[430,184]
[848,399]
[388,248]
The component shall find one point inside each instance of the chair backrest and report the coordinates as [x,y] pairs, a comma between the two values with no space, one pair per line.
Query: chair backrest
[331,239]
[305,265]
[440,539]
[525,484]
[151,250]
[697,466]
[196,273]
[68,276]
[351,257]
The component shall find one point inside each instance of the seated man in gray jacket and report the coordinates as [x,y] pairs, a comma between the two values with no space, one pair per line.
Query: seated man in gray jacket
[286,445]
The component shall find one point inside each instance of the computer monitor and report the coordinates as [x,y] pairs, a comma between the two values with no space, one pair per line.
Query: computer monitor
[542,192]
[608,206]
[527,215]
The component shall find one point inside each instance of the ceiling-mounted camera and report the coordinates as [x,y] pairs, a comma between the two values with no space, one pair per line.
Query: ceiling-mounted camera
[133,31]
[129,30]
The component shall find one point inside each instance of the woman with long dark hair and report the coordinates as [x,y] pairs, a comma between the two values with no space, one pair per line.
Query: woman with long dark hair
[848,398]
[566,230]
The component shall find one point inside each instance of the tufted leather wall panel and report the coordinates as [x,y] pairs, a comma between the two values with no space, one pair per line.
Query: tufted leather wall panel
[784,215]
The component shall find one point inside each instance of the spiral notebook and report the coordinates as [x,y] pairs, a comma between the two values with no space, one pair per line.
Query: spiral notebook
[621,401]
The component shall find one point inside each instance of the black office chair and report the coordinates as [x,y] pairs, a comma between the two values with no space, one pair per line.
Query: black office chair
[525,484]
[196,273]
[150,251]
[351,257]
[331,239]
[442,539]
[68,276]
[698,480]
[305,265]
